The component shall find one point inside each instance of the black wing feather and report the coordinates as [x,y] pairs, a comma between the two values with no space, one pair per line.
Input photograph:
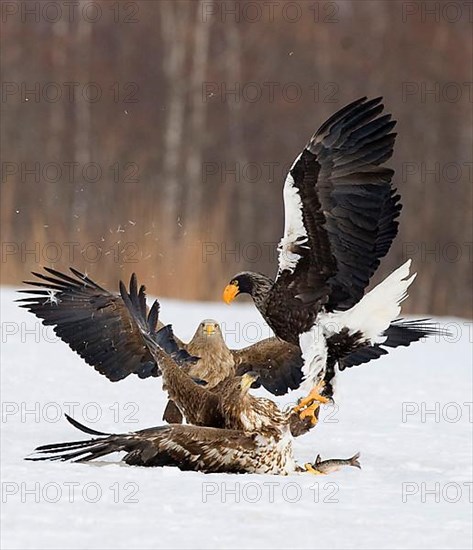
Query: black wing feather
[349,207]
[400,333]
[103,328]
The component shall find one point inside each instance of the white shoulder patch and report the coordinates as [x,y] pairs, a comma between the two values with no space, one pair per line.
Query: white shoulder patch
[294,230]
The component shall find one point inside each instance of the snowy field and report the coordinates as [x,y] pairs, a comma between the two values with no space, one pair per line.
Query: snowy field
[409,414]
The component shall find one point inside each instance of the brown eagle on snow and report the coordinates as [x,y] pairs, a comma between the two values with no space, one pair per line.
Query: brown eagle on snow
[277,363]
[241,433]
[98,325]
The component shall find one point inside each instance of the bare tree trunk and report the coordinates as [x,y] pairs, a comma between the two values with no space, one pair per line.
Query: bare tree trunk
[193,205]
[82,122]
[174,26]
[56,147]
[55,138]
[243,190]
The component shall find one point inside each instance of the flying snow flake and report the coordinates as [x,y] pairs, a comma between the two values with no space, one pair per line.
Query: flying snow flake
[52,298]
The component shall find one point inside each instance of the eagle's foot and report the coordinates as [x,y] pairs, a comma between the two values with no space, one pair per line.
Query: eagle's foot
[309,468]
[313,397]
[311,412]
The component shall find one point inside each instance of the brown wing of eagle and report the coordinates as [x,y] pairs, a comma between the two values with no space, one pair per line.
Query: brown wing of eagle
[94,322]
[278,363]
[99,326]
[209,450]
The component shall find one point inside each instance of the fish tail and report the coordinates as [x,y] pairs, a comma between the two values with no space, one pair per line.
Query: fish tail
[353,461]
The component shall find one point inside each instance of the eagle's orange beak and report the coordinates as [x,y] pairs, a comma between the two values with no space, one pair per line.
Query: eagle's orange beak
[230,292]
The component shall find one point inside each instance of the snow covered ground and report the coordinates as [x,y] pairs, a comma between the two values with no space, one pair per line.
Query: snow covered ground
[409,414]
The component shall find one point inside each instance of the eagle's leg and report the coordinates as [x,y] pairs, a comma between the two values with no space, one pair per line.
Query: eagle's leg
[309,468]
[308,406]
[314,395]
[312,412]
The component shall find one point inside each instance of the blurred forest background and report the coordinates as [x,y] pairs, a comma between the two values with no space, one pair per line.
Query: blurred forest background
[154,136]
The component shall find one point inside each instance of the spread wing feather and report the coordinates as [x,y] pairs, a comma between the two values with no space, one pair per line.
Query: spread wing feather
[186,447]
[103,328]
[399,333]
[340,207]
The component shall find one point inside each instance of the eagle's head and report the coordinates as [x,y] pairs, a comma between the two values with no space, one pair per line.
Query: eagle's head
[256,285]
[246,381]
[208,339]
[236,400]
[249,413]
[208,329]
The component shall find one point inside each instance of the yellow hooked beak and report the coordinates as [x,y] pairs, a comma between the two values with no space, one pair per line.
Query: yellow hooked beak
[247,380]
[209,329]
[230,292]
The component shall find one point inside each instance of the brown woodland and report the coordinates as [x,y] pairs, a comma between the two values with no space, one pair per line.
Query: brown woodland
[156,138]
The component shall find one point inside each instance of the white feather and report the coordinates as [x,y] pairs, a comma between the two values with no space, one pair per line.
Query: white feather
[314,352]
[294,230]
[373,314]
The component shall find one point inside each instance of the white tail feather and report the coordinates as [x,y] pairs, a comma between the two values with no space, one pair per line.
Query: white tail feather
[373,314]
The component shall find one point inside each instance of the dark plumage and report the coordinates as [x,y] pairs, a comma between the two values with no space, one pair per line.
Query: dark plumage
[107,331]
[236,432]
[95,323]
[341,215]
[100,327]
[208,450]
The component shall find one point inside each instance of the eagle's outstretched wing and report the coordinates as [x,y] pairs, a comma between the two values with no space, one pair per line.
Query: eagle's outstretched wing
[278,363]
[96,324]
[340,207]
[209,450]
[400,333]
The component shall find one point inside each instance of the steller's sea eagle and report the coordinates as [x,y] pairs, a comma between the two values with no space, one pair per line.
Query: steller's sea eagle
[341,215]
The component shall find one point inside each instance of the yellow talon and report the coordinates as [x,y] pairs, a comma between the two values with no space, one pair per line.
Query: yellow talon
[311,412]
[314,396]
[311,470]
